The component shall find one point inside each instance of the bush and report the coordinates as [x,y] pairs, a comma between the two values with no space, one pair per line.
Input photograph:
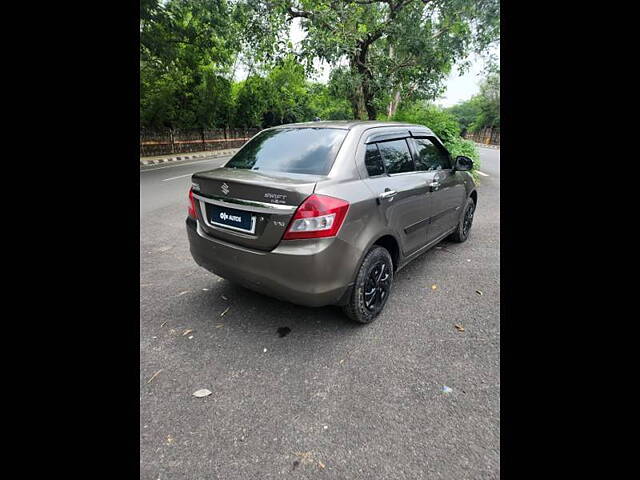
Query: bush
[445,126]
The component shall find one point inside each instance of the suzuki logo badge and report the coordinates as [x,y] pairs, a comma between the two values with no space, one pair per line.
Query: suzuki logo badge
[225,188]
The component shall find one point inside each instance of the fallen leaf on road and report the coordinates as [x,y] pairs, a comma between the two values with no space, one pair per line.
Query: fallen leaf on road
[283,331]
[169,439]
[187,332]
[220,325]
[306,457]
[182,293]
[222,314]
[433,287]
[320,464]
[460,328]
[479,292]
[190,337]
[154,376]
[224,298]
[202,393]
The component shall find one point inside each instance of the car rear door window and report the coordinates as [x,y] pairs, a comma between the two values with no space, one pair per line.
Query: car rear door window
[430,156]
[373,160]
[396,156]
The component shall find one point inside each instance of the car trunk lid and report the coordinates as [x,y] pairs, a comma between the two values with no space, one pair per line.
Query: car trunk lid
[248,207]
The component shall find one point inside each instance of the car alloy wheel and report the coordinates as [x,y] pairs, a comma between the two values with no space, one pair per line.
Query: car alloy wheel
[377,285]
[372,287]
[468,219]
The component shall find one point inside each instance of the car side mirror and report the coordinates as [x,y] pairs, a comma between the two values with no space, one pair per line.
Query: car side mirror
[463,164]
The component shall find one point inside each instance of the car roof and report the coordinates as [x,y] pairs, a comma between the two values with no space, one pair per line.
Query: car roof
[347,124]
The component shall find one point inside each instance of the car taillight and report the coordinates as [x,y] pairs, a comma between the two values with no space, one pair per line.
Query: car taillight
[192,205]
[319,216]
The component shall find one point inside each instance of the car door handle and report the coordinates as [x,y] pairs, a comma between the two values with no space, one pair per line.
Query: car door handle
[388,194]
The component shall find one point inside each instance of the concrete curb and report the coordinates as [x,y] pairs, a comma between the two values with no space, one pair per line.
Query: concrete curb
[218,153]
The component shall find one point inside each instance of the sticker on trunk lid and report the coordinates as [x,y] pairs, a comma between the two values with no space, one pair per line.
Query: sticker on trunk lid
[276,197]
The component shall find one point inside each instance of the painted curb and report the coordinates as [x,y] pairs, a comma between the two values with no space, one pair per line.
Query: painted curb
[221,153]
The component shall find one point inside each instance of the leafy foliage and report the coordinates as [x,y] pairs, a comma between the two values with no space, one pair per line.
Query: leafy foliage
[384,54]
[394,48]
[445,126]
[186,50]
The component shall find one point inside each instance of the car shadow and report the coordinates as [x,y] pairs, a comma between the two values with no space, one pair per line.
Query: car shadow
[242,310]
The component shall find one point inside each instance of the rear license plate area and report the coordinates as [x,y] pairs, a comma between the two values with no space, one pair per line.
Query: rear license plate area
[230,218]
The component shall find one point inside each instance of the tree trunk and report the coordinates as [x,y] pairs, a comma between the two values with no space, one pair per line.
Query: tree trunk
[371,108]
[364,91]
[357,104]
[393,104]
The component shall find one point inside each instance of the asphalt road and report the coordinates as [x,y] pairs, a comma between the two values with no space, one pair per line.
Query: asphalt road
[332,399]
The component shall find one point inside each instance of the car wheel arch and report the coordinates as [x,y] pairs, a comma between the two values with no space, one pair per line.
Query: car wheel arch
[474,196]
[386,240]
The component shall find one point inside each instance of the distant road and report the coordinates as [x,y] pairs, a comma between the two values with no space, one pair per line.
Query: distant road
[164,184]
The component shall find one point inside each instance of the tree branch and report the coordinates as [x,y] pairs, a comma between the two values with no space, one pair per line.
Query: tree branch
[298,14]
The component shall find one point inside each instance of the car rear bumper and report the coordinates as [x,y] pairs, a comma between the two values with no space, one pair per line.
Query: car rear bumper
[313,273]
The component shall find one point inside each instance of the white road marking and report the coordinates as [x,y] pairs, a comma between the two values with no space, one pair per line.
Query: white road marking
[174,178]
[482,173]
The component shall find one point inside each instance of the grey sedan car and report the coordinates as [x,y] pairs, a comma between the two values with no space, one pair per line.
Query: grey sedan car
[327,213]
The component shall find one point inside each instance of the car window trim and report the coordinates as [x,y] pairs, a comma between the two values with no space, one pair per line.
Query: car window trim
[386,136]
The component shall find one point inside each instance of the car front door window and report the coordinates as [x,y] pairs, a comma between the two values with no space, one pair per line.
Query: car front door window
[430,156]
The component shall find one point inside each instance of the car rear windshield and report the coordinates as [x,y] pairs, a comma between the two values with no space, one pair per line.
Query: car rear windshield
[293,150]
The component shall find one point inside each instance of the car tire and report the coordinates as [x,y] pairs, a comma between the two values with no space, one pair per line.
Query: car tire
[464,224]
[372,286]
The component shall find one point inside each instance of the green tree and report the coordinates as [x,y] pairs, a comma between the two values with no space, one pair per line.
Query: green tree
[488,103]
[327,106]
[251,101]
[466,113]
[289,97]
[481,110]
[184,45]
[392,47]
[214,107]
